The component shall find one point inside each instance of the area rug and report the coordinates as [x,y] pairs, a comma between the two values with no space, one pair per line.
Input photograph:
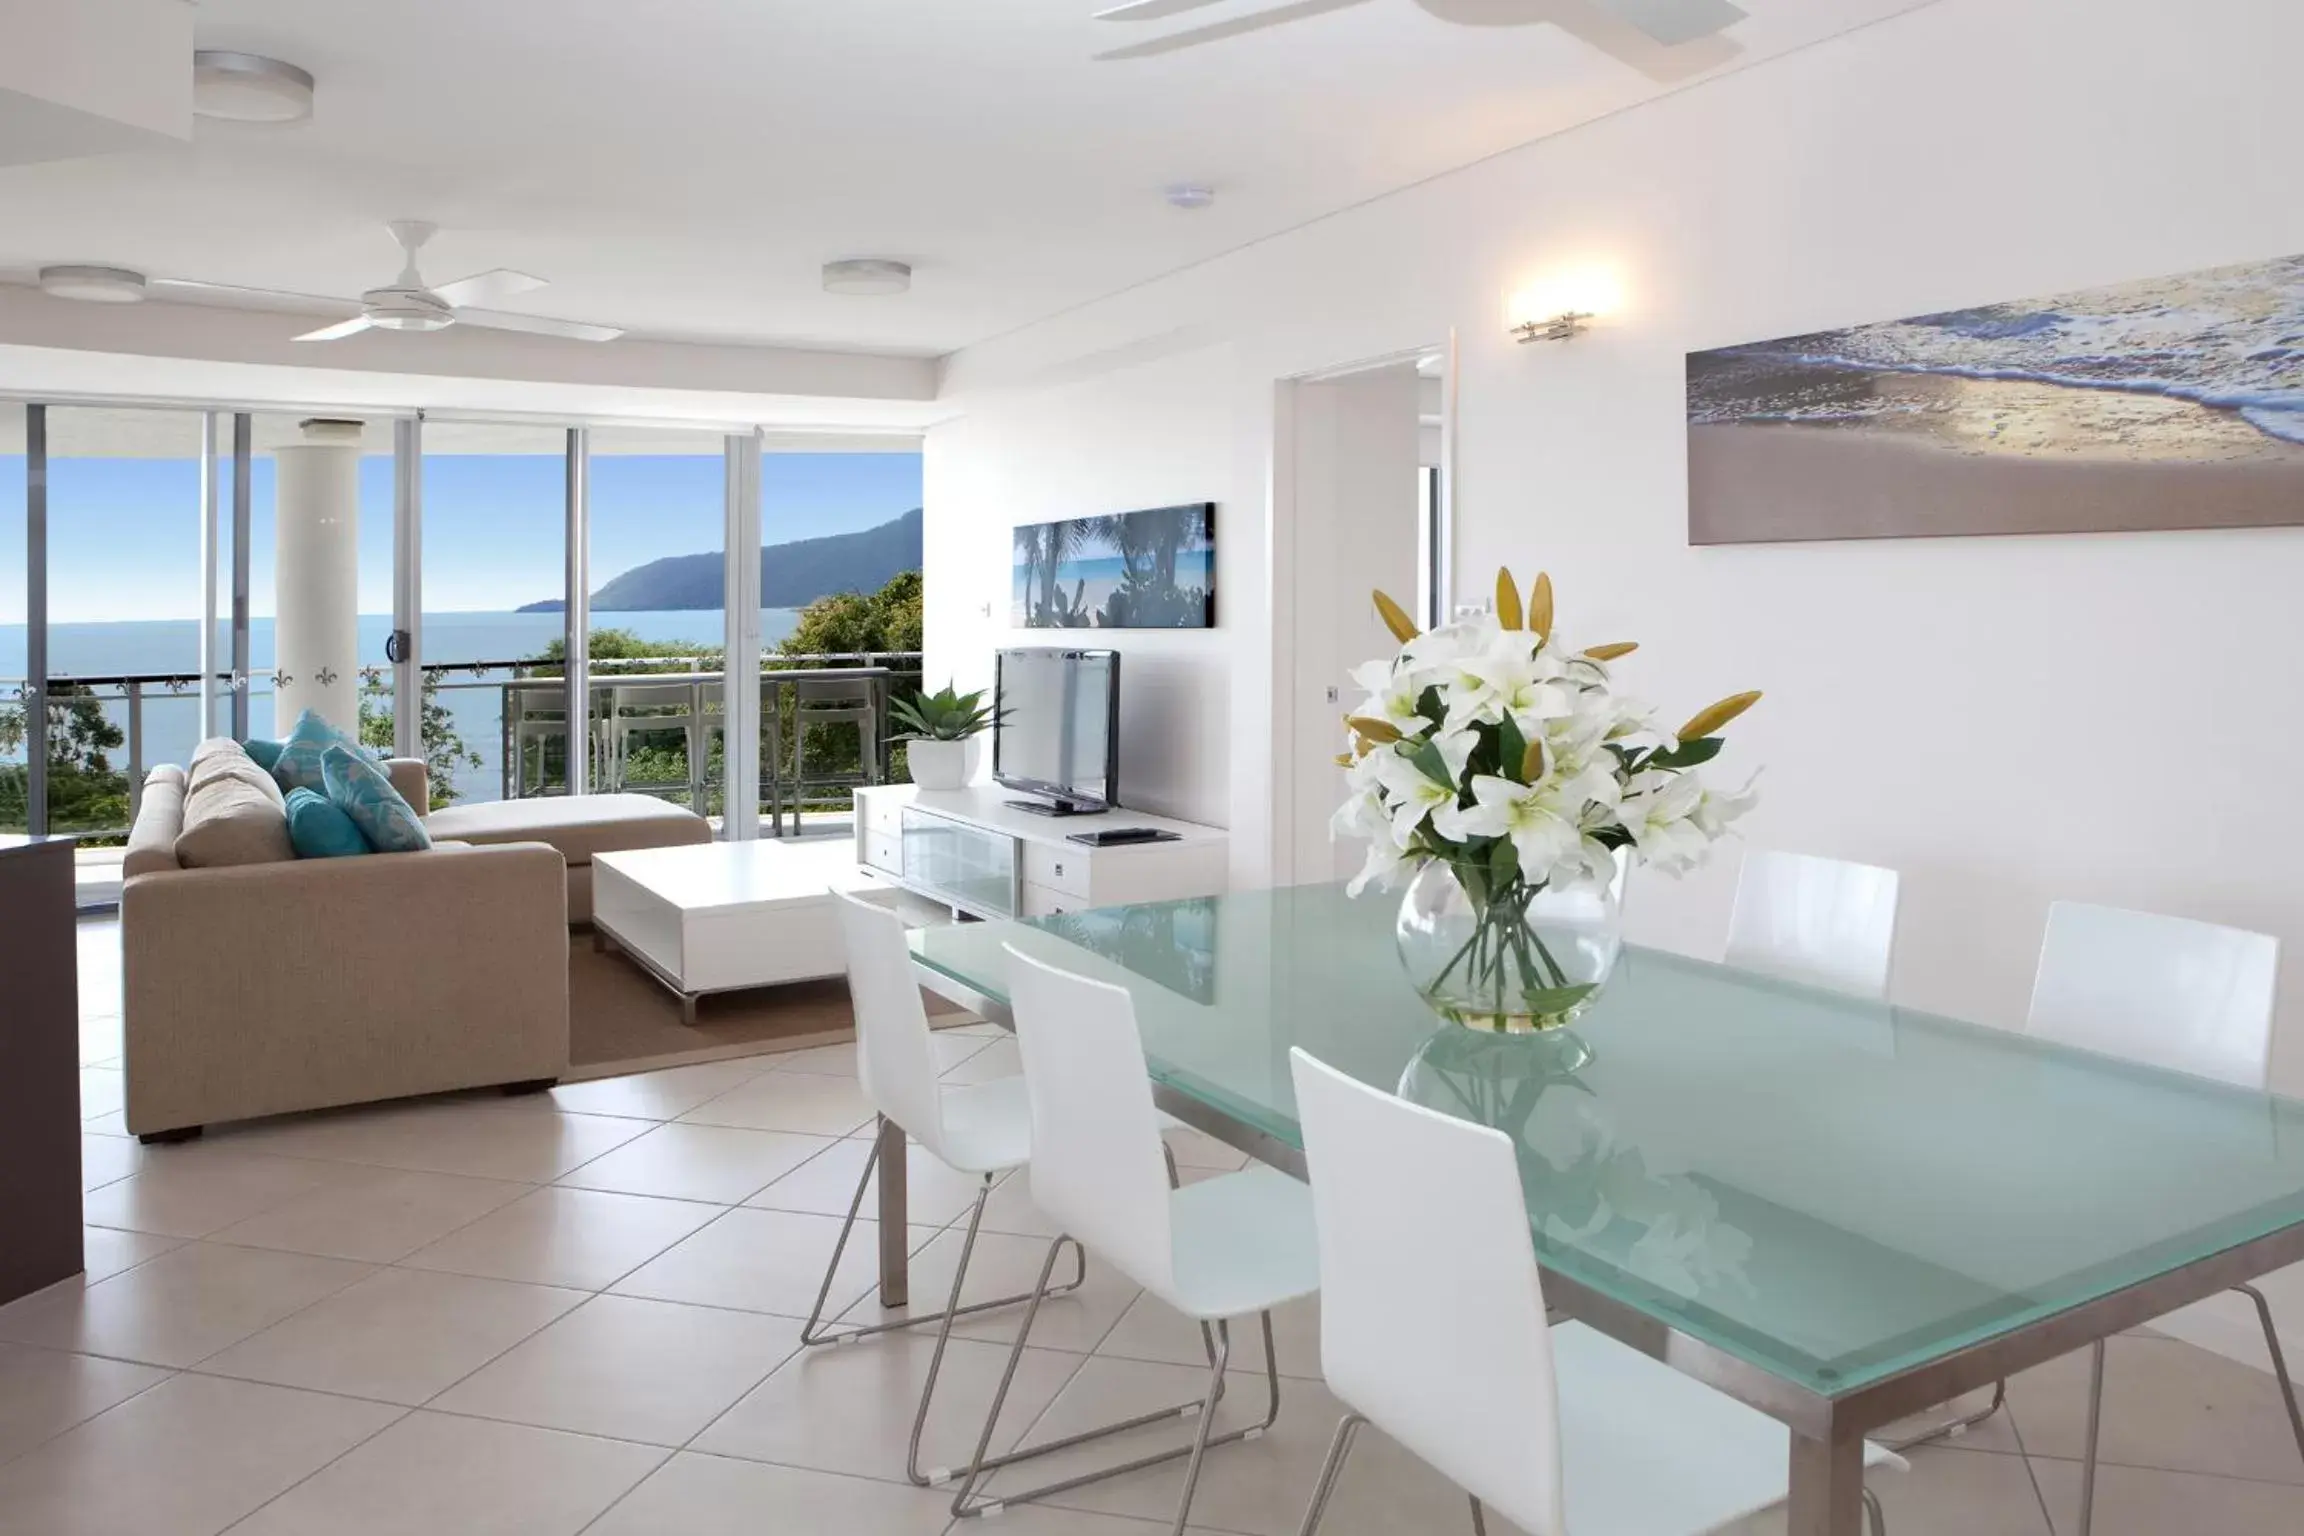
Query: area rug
[620,1019]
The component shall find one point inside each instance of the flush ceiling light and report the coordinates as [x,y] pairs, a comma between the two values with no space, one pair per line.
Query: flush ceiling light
[93,285]
[1188,195]
[248,88]
[866,276]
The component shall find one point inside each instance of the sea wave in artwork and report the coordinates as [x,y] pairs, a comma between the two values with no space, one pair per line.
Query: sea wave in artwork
[2228,341]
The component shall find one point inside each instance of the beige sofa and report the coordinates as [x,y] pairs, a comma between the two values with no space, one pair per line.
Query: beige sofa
[256,983]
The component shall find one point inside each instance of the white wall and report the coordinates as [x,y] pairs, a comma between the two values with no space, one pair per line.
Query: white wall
[2112,718]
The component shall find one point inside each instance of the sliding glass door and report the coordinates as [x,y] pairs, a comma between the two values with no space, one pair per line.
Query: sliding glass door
[15,676]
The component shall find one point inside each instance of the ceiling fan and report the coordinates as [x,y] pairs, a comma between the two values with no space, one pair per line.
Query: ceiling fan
[407,304]
[1654,23]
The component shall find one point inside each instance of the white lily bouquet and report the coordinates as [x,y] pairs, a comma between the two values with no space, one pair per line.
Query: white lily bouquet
[1502,770]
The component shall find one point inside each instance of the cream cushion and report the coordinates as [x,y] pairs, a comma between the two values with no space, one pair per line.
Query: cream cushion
[152,840]
[230,761]
[233,811]
[578,825]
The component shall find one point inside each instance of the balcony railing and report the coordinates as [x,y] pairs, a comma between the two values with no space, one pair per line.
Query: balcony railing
[489,729]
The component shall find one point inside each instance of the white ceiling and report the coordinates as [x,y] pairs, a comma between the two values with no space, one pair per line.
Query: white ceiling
[681,168]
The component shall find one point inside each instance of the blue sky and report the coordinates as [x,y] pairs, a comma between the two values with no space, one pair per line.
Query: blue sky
[124,538]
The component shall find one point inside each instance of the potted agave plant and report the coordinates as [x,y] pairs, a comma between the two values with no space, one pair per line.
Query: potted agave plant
[942,730]
[1496,770]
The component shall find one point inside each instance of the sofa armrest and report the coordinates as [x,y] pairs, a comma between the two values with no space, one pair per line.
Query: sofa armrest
[413,780]
[266,988]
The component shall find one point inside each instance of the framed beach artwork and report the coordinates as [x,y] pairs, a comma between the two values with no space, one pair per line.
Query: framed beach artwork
[2176,402]
[1154,569]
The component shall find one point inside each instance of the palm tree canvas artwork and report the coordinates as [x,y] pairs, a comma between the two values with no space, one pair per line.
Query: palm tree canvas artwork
[1154,569]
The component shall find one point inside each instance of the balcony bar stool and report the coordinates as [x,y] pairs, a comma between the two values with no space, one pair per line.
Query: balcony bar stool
[1226,1247]
[2165,992]
[1432,1327]
[651,709]
[535,715]
[1825,922]
[833,702]
[983,1130]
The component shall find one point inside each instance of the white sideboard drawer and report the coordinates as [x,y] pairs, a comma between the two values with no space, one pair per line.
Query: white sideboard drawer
[883,851]
[1059,869]
[883,814]
[1040,901]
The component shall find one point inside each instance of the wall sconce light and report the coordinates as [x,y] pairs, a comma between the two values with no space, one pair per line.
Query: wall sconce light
[1561,309]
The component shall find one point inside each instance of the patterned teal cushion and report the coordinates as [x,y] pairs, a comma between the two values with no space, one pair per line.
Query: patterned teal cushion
[320,829]
[360,789]
[263,753]
[298,765]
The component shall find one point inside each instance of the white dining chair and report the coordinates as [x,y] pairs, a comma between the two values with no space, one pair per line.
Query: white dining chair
[1228,1247]
[984,1130]
[2166,992]
[1433,1328]
[1825,922]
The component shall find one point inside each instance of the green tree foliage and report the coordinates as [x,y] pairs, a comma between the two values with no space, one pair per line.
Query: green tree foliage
[85,792]
[854,622]
[445,750]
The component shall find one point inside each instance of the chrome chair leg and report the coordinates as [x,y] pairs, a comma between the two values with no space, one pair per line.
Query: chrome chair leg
[1347,1430]
[2279,1361]
[1875,1514]
[965,1504]
[817,1331]
[1960,1426]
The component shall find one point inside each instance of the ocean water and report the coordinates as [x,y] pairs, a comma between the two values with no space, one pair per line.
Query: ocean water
[172,721]
[2209,363]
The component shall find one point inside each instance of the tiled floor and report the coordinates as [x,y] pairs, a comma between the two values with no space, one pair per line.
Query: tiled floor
[581,1313]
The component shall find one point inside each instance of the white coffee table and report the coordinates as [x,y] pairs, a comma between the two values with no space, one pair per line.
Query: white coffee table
[722,917]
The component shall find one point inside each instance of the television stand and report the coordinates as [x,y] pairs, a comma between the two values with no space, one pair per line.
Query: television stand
[979,853]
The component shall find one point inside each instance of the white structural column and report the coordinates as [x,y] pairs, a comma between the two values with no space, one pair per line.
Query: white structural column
[316,575]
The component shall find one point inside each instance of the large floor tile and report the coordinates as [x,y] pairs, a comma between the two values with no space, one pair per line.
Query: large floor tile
[44,1392]
[1258,1486]
[195,1190]
[430,1474]
[186,1458]
[1011,1210]
[849,1408]
[108,1251]
[179,1308]
[1197,1149]
[656,1371]
[400,1336]
[949,1048]
[374,1214]
[102,1090]
[2142,1501]
[788,1101]
[716,1163]
[1075,1321]
[934,1194]
[2166,1405]
[714,1496]
[1958,1492]
[105,1159]
[998,1059]
[664,1095]
[526,1140]
[1153,1330]
[576,1237]
[764,1261]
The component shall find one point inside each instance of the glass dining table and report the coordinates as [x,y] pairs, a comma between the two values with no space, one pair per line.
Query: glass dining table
[1840,1212]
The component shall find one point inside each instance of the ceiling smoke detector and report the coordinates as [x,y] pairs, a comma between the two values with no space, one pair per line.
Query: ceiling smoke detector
[1189,195]
[865,275]
[93,285]
[248,88]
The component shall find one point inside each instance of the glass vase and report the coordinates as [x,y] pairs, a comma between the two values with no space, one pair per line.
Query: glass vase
[1515,959]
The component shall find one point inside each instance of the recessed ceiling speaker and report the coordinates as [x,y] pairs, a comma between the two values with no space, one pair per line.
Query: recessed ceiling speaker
[93,285]
[867,276]
[248,88]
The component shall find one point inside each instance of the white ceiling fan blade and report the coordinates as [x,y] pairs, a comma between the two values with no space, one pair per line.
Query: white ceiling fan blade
[1672,22]
[1150,10]
[1219,30]
[338,331]
[265,298]
[488,287]
[536,325]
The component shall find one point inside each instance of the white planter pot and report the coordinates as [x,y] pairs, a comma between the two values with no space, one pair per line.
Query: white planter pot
[943,764]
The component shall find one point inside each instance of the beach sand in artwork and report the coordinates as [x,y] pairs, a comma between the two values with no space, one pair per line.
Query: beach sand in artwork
[1773,483]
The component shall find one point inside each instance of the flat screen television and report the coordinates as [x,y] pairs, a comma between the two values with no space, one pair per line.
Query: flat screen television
[1057,733]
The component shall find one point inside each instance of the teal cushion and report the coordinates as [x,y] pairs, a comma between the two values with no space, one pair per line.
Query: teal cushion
[264,753]
[298,765]
[360,789]
[320,829]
